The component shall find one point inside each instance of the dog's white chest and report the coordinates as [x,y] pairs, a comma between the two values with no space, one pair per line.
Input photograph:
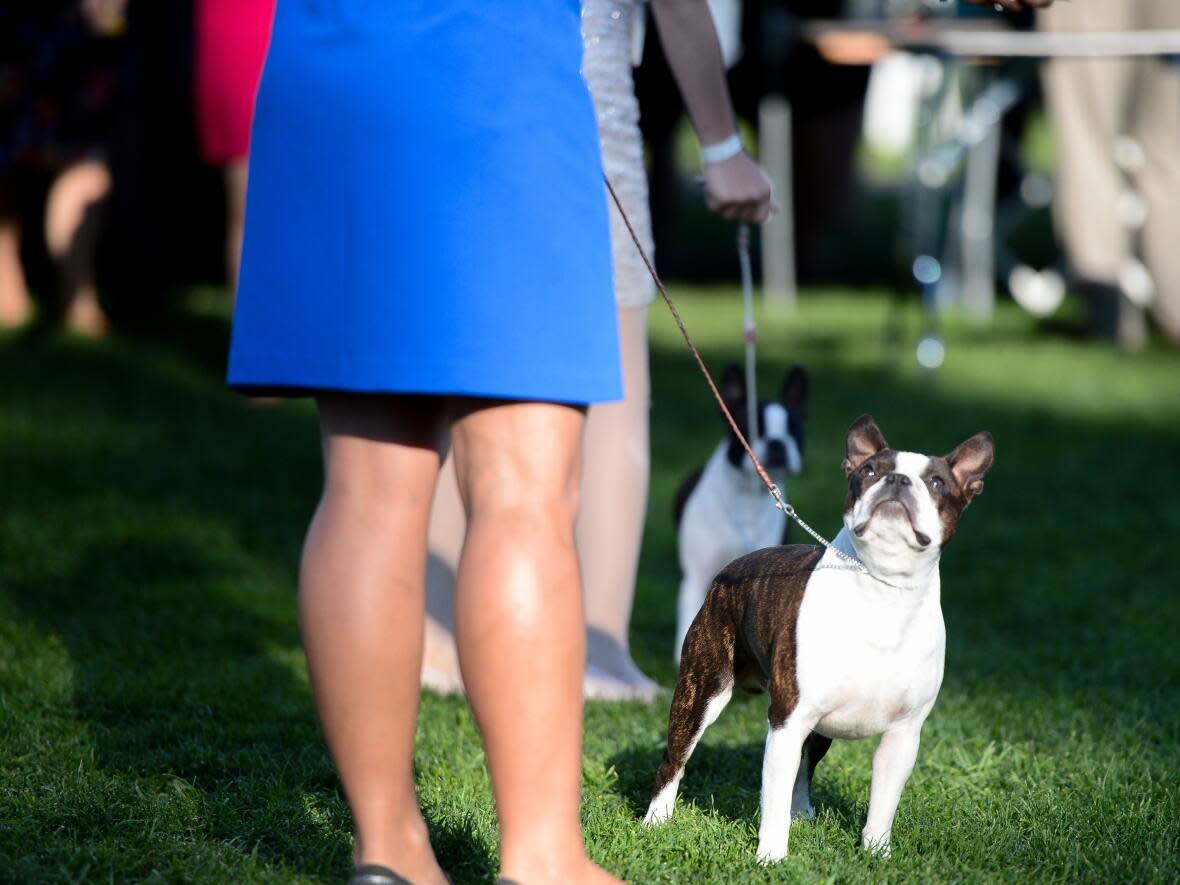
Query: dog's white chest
[868,656]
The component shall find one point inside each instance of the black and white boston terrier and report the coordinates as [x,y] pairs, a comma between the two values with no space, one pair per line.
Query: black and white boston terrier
[843,652]
[722,509]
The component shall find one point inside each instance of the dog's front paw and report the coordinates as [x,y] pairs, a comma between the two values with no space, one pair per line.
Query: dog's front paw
[658,812]
[771,850]
[877,843]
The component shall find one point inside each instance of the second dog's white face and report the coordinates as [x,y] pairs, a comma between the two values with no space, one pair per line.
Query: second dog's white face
[776,447]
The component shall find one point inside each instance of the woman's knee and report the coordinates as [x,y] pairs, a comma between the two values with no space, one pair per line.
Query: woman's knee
[519,464]
[73,199]
[514,493]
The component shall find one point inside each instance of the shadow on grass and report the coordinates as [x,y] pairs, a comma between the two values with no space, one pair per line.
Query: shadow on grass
[174,678]
[725,778]
[153,526]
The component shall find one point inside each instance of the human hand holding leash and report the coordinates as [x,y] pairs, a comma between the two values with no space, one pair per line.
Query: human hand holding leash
[738,189]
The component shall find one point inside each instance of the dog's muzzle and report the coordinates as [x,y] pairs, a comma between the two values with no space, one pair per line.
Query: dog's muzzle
[776,454]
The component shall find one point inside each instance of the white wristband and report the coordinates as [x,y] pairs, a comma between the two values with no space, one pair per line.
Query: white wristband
[722,150]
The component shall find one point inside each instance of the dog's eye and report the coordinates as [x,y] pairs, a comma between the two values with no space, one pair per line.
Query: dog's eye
[868,470]
[937,484]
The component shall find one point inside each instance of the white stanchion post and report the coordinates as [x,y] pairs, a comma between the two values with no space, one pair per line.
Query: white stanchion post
[778,234]
[751,334]
[977,224]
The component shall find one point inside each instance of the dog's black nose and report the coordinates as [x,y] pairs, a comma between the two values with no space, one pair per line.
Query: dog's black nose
[776,453]
[899,479]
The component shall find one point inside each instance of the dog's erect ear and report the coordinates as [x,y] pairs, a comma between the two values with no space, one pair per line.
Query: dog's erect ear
[970,461]
[794,393]
[864,440]
[733,389]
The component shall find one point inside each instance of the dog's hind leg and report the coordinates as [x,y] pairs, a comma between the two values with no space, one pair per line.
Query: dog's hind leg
[702,691]
[814,749]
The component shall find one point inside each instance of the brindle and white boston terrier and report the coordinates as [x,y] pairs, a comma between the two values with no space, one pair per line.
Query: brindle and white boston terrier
[842,652]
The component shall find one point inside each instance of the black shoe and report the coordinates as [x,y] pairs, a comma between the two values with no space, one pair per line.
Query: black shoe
[375,874]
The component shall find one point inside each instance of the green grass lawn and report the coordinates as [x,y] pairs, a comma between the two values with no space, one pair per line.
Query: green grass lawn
[155,717]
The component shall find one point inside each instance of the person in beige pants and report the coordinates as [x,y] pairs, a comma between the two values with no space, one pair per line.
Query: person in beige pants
[1093,101]
[615,442]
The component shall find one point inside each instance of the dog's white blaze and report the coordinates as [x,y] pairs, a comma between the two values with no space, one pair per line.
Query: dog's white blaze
[912,465]
[665,801]
[775,418]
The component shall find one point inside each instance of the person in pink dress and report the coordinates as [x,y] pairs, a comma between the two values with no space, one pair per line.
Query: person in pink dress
[231,40]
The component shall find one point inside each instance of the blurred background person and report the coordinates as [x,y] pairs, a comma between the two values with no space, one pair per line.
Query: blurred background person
[58,69]
[1093,103]
[230,39]
[616,458]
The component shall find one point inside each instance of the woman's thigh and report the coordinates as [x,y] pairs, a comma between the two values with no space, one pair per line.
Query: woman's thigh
[382,448]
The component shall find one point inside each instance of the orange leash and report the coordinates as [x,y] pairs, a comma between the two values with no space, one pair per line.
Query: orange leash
[773,489]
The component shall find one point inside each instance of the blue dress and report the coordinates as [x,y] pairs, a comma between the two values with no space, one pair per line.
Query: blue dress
[425,210]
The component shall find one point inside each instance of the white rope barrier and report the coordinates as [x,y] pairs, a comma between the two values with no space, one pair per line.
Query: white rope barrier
[991,42]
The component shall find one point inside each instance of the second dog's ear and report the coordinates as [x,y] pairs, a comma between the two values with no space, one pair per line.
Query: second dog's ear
[794,393]
[733,389]
[864,440]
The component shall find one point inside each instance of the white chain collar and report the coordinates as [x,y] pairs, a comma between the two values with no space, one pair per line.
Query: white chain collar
[851,563]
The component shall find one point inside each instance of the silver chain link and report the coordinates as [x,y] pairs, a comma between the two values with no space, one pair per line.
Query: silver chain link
[853,564]
[790,513]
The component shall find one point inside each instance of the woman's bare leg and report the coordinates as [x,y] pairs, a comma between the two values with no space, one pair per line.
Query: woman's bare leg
[16,308]
[518,612]
[611,519]
[235,218]
[448,525]
[73,218]
[609,535]
[361,603]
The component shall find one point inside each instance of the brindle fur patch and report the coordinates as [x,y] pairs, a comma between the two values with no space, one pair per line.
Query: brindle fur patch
[950,499]
[962,473]
[744,634]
